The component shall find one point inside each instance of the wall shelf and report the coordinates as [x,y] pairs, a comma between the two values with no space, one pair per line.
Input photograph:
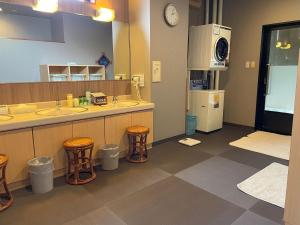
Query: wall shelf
[52,73]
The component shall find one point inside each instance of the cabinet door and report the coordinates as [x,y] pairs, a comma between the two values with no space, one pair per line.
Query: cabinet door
[215,115]
[144,118]
[115,130]
[48,141]
[18,146]
[93,128]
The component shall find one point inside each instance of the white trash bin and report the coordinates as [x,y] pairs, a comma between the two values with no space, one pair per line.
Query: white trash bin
[110,157]
[41,174]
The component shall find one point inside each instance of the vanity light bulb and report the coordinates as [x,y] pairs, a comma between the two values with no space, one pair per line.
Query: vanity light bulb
[48,6]
[105,15]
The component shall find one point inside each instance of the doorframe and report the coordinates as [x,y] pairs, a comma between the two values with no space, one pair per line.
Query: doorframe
[264,55]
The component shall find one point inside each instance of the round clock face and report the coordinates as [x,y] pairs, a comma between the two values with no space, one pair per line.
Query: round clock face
[171,15]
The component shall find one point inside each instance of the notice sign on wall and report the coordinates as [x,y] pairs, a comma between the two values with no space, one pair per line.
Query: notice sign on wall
[215,101]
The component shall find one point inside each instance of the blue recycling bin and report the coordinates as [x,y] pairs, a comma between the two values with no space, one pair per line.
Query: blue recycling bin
[191,124]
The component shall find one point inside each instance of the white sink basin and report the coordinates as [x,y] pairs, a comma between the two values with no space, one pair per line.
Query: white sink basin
[122,104]
[61,111]
[127,103]
[5,117]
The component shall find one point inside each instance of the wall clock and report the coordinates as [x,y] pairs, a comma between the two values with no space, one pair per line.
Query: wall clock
[171,15]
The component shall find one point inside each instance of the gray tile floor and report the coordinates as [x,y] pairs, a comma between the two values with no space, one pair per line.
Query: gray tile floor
[179,186]
[226,173]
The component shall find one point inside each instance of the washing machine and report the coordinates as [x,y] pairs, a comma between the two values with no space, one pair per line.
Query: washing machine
[209,47]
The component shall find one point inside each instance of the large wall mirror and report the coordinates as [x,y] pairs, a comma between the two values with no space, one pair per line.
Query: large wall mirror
[67,43]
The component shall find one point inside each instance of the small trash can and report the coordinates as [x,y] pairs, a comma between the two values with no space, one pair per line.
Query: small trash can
[191,124]
[110,157]
[41,174]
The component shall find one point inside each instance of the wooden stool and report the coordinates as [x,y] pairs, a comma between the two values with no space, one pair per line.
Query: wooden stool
[78,163]
[6,198]
[138,152]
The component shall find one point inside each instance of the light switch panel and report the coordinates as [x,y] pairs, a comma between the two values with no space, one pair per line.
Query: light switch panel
[156,71]
[140,78]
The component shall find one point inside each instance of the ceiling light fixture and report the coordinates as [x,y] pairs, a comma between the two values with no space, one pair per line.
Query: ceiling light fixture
[286,46]
[1,9]
[48,6]
[283,45]
[278,44]
[105,15]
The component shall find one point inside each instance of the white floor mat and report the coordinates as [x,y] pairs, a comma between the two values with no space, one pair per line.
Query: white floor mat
[268,184]
[266,143]
[189,142]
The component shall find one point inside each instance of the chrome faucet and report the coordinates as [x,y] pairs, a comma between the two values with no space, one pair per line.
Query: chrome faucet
[115,99]
[58,103]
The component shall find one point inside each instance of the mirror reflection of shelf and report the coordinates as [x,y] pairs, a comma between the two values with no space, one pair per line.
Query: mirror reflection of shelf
[54,73]
[71,72]
[78,73]
[96,73]
[58,77]
[78,77]
[96,76]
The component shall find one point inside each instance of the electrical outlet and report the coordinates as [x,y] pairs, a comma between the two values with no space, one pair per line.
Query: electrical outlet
[139,78]
[247,64]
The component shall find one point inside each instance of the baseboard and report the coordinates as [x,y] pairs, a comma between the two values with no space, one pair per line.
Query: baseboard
[175,138]
[18,185]
[238,125]
[169,139]
[61,172]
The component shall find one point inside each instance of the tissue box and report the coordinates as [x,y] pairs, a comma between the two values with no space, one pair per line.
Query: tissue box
[99,98]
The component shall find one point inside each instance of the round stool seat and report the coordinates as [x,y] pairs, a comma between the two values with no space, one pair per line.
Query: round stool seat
[3,159]
[78,142]
[137,130]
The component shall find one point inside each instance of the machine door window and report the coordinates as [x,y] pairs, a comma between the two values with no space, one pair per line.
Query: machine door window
[222,49]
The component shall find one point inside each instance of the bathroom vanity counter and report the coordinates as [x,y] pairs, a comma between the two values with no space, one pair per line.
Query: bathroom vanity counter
[41,133]
[33,119]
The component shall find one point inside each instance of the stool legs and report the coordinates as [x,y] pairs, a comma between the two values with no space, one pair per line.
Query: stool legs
[138,152]
[79,164]
[76,168]
[6,198]
[145,145]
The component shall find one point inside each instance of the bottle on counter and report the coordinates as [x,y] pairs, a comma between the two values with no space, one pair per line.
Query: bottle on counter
[75,102]
[83,100]
[69,100]
[88,97]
